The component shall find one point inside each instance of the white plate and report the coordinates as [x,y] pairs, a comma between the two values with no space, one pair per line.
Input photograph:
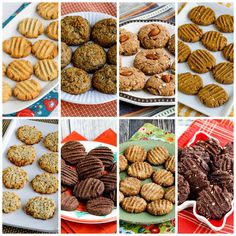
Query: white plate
[19,218]
[82,216]
[93,96]
[192,100]
[142,97]
[10,30]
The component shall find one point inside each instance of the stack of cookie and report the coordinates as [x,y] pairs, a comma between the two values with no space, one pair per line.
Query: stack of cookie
[15,177]
[205,174]
[89,178]
[157,194]
[152,60]
[89,57]
[202,60]
[18,47]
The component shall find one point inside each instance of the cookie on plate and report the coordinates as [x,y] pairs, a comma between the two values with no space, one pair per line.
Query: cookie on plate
[222,162]
[170,194]
[225,23]
[171,44]
[135,153]
[121,196]
[163,177]
[123,163]
[14,177]
[159,207]
[52,30]
[49,162]
[228,52]
[134,204]
[6,91]
[68,203]
[51,141]
[157,155]
[100,206]
[152,192]
[183,52]
[10,202]
[183,189]
[190,33]
[130,186]
[140,170]
[112,55]
[48,10]
[109,181]
[69,176]
[170,164]
[66,55]
[224,73]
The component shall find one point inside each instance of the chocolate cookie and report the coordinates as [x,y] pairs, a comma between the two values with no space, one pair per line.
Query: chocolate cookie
[224,73]
[224,162]
[113,196]
[229,149]
[69,176]
[109,181]
[68,203]
[225,23]
[183,52]
[228,52]
[190,33]
[183,189]
[211,145]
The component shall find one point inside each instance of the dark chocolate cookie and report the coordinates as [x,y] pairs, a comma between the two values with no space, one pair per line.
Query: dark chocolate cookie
[212,146]
[69,176]
[113,196]
[183,189]
[109,181]
[68,203]
[223,162]
[229,148]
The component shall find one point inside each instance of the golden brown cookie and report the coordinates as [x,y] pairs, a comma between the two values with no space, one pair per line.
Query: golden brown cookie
[6,91]
[183,51]
[49,162]
[123,163]
[134,204]
[163,177]
[140,170]
[130,186]
[52,30]
[228,52]
[121,196]
[10,202]
[190,33]
[224,73]
[48,10]
[51,141]
[170,194]
[225,23]
[135,153]
[157,155]
[170,164]
[4,69]
[159,207]
[152,191]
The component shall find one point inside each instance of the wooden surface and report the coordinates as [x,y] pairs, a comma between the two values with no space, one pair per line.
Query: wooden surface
[129,127]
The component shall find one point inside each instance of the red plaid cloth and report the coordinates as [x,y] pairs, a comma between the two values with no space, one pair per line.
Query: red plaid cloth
[71,109]
[223,130]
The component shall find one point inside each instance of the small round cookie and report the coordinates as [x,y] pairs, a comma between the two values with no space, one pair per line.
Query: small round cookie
[104,32]
[131,79]
[224,73]
[152,192]
[30,27]
[14,177]
[52,30]
[4,69]
[51,141]
[135,153]
[69,176]
[170,164]
[100,206]
[104,80]
[201,61]
[123,163]
[68,203]
[163,177]
[121,197]
[152,61]
[189,83]
[40,207]
[49,162]
[48,10]
[153,36]
[212,95]
[170,194]
[66,55]
[228,52]
[134,204]
[75,30]
[157,155]
[29,134]
[130,186]
[171,44]
[225,23]
[214,41]
[45,183]
[109,181]
[10,202]
[140,170]
[183,52]
[21,155]
[183,189]
[112,55]
[161,85]
[202,15]
[6,91]
[190,33]
[159,207]
[89,57]
[19,70]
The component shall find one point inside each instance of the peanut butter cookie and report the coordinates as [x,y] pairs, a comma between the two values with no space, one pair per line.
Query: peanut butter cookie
[130,186]
[140,170]
[163,177]
[6,91]
[170,194]
[134,204]
[157,155]
[228,52]
[135,153]
[190,33]
[224,73]
[225,23]
[52,30]
[159,207]
[29,134]
[183,52]
[170,164]
[152,192]
[48,10]
[123,163]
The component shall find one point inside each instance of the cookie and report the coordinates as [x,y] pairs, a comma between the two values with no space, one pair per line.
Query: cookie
[75,81]
[134,204]
[68,203]
[21,155]
[228,52]
[112,55]
[130,186]
[30,27]
[46,70]
[159,207]
[135,153]
[202,15]
[40,207]
[10,202]
[161,85]
[190,33]
[158,155]
[170,194]
[224,73]
[89,57]
[172,68]
[100,206]
[121,196]
[140,170]
[201,61]
[225,23]
[109,181]
[23,48]
[163,177]
[69,176]
[129,43]
[44,49]
[152,192]
[75,30]
[52,30]
[51,141]
[27,90]
[48,10]
[104,32]
[222,162]
[14,177]
[229,149]
[189,83]
[212,95]
[171,44]
[123,163]
[214,41]
[6,91]
[170,164]
[19,70]
[104,80]
[131,79]
[152,61]
[183,52]
[211,145]
[183,189]
[29,134]
[72,152]
[113,196]
[153,36]
[49,162]
[88,189]
[4,69]
[45,183]
[66,55]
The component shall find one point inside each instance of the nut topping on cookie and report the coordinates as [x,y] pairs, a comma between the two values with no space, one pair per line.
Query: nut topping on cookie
[166,78]
[154,32]
[152,56]
[126,73]
[124,38]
